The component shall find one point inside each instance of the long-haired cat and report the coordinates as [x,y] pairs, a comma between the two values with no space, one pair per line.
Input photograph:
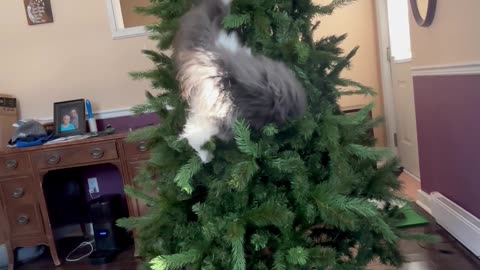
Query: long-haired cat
[222,80]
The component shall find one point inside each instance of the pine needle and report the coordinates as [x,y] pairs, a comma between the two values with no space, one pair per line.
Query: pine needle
[176,261]
[186,173]
[241,132]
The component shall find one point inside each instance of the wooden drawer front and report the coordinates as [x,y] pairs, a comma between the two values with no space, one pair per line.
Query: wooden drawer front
[135,149]
[133,168]
[3,226]
[14,165]
[25,219]
[18,191]
[75,155]
[21,206]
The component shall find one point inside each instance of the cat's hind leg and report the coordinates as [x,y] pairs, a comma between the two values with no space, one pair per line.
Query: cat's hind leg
[198,130]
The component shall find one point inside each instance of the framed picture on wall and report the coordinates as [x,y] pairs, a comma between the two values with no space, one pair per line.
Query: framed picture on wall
[38,11]
[69,117]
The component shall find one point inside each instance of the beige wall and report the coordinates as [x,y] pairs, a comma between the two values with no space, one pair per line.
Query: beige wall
[453,38]
[359,21]
[74,57]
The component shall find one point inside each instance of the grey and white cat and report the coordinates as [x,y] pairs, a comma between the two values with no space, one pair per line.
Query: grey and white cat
[221,80]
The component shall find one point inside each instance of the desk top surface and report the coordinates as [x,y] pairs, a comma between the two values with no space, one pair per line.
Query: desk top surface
[120,135]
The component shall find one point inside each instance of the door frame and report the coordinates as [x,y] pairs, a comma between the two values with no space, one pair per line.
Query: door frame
[386,73]
[383,33]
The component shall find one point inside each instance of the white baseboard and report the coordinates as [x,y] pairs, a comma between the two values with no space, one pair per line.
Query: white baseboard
[424,200]
[412,175]
[114,113]
[464,226]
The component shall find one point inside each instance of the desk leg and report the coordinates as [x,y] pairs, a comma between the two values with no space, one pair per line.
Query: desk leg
[11,256]
[53,251]
[46,221]
[136,253]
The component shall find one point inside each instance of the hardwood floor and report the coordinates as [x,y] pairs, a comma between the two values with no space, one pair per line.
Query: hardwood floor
[410,186]
[446,255]
[124,261]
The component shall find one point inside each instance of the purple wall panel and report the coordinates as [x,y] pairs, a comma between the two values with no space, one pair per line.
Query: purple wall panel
[124,123]
[109,180]
[448,122]
[108,177]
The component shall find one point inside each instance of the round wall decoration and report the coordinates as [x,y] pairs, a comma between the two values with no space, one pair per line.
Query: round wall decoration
[424,11]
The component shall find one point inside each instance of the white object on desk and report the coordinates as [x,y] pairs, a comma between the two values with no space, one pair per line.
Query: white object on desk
[92,124]
[68,139]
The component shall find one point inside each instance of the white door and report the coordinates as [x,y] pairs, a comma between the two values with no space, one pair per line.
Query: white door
[402,85]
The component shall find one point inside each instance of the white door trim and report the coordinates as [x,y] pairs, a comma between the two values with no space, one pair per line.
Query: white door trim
[386,73]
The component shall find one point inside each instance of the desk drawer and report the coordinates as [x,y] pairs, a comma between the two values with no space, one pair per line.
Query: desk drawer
[25,219]
[75,155]
[14,164]
[133,149]
[19,190]
[21,205]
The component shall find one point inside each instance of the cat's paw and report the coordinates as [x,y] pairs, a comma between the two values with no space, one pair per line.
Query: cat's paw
[205,156]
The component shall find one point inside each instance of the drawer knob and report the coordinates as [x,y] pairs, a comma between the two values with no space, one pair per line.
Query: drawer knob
[11,164]
[18,193]
[97,153]
[23,220]
[142,147]
[53,159]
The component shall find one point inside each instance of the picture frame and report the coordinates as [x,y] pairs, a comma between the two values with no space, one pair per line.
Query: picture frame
[69,118]
[38,11]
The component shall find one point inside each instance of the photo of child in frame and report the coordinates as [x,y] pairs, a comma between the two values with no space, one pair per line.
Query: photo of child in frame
[70,117]
[69,121]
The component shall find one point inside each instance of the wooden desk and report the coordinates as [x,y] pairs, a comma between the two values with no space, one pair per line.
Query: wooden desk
[24,216]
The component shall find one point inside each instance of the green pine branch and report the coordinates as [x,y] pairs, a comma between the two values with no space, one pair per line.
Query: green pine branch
[236,234]
[137,194]
[370,153]
[176,261]
[242,173]
[270,213]
[185,175]
[143,134]
[279,261]
[297,256]
[241,131]
[233,21]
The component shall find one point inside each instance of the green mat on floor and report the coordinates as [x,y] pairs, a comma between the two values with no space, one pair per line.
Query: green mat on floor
[412,218]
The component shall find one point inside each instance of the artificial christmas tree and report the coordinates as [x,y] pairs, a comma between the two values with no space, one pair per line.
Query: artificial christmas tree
[298,195]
